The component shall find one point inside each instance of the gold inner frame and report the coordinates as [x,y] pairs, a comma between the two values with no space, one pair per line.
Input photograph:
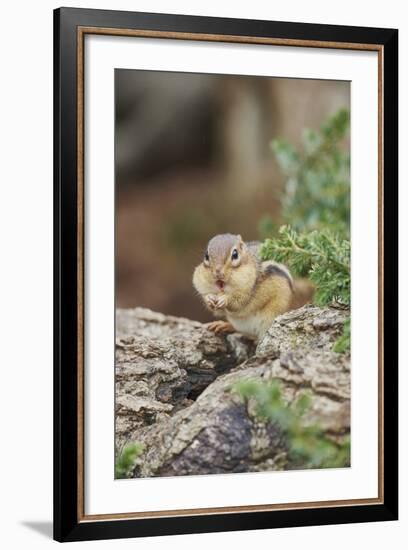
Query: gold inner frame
[81,33]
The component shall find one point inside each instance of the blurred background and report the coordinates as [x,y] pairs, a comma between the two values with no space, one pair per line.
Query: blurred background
[194,158]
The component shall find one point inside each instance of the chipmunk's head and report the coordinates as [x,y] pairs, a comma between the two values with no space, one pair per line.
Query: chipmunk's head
[228,264]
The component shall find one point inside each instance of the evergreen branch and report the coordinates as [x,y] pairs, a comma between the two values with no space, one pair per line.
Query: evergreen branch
[320,255]
[317,187]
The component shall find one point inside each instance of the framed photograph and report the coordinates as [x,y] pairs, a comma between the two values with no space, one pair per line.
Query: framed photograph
[225,274]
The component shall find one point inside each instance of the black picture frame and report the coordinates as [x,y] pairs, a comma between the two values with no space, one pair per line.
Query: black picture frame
[68,525]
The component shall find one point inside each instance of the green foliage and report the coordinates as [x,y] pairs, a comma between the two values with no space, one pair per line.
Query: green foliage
[322,256]
[317,186]
[127,459]
[316,207]
[308,445]
[343,343]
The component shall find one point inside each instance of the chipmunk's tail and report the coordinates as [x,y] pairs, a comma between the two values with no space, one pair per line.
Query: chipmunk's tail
[303,291]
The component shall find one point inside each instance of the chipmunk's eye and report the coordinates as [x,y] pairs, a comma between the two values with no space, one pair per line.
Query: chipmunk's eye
[206,257]
[234,255]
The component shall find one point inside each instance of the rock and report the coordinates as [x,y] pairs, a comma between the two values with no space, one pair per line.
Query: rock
[219,433]
[164,363]
[309,327]
[175,390]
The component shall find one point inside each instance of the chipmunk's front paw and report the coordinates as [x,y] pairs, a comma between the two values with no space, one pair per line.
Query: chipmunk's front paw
[220,326]
[210,300]
[215,302]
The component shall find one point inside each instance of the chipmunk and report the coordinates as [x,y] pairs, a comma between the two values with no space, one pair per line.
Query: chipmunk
[236,284]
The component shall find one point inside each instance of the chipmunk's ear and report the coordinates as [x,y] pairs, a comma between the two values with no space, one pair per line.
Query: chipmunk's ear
[240,242]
